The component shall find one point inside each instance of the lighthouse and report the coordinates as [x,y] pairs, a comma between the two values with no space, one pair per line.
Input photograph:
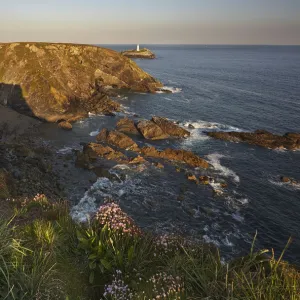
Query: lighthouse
[138,48]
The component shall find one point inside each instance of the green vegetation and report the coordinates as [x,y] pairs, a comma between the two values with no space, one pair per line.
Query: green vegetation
[45,255]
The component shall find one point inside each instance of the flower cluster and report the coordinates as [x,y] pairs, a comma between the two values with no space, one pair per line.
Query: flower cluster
[117,290]
[39,200]
[166,286]
[167,243]
[111,214]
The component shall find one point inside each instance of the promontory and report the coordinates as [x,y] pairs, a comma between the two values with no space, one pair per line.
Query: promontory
[66,81]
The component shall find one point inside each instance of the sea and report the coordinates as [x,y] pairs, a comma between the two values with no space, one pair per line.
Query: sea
[212,88]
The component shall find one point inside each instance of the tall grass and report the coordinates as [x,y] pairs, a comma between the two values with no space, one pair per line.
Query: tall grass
[51,257]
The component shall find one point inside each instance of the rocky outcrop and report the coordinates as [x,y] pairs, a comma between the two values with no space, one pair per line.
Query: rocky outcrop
[126,125]
[118,139]
[183,156]
[143,53]
[263,138]
[65,125]
[170,128]
[93,151]
[292,181]
[151,131]
[62,81]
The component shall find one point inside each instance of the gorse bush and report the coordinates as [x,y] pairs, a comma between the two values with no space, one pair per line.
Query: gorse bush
[45,255]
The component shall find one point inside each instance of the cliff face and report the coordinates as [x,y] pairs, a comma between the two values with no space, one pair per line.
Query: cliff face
[56,81]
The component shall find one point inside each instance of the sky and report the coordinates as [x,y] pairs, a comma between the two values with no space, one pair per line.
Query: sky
[152,22]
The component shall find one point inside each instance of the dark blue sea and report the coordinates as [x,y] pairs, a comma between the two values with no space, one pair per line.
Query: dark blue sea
[219,88]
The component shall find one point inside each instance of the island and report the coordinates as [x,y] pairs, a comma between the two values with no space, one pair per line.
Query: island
[139,53]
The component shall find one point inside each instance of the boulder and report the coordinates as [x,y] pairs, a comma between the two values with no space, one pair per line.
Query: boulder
[126,125]
[192,177]
[61,81]
[285,179]
[183,156]
[204,179]
[261,138]
[118,139]
[151,131]
[138,160]
[170,128]
[92,151]
[65,125]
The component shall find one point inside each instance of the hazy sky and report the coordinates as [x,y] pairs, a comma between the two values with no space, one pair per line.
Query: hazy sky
[152,21]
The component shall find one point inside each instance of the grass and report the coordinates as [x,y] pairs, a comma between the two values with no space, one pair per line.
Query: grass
[51,257]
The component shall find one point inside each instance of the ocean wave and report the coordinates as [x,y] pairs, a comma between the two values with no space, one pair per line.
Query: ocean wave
[210,125]
[173,90]
[288,185]
[214,159]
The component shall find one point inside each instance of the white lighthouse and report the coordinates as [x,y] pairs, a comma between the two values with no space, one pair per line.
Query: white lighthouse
[138,48]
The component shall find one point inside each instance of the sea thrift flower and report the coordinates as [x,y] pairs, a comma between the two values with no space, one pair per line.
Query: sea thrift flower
[111,214]
[117,290]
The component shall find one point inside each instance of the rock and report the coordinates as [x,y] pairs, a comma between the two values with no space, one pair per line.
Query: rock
[138,160]
[192,177]
[204,179]
[159,165]
[92,151]
[285,179]
[65,125]
[261,138]
[127,126]
[63,81]
[170,128]
[184,156]
[143,53]
[118,139]
[151,131]
[191,126]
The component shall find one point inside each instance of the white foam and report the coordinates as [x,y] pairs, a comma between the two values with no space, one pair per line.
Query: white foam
[173,90]
[214,159]
[94,133]
[65,150]
[211,125]
[287,185]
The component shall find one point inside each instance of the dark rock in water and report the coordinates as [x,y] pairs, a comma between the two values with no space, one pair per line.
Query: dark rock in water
[285,179]
[170,128]
[184,156]
[151,131]
[142,53]
[191,126]
[62,81]
[204,179]
[261,138]
[65,125]
[127,126]
[117,139]
[192,177]
[292,181]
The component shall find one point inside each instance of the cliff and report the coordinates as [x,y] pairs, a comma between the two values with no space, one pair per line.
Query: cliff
[143,53]
[65,81]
